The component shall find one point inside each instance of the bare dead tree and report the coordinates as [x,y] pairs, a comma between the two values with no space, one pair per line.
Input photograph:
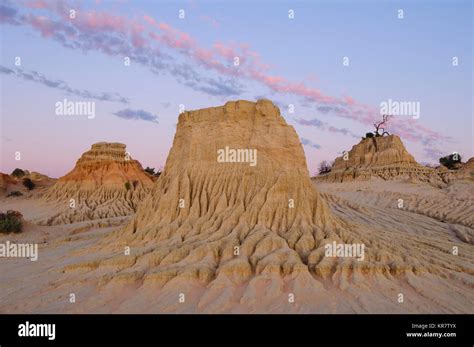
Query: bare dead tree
[380,126]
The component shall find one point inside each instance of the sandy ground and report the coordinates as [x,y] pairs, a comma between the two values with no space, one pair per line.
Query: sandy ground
[416,240]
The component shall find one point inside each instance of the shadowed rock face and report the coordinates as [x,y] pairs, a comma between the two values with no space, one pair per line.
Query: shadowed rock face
[98,185]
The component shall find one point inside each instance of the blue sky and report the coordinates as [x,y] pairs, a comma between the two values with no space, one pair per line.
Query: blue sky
[290,61]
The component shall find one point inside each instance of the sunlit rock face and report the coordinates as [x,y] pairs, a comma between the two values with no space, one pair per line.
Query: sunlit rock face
[105,183]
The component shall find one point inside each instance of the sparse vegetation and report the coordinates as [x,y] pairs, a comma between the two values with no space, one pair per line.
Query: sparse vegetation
[11,221]
[19,173]
[128,186]
[151,171]
[451,161]
[14,193]
[28,183]
[379,128]
[324,168]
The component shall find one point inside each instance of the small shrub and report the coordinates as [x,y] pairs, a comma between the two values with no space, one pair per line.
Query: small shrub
[18,173]
[135,184]
[451,161]
[11,221]
[324,167]
[28,183]
[150,170]
[369,135]
[14,193]
[128,185]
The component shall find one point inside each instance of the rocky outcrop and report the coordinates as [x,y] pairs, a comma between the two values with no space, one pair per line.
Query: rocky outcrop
[384,157]
[105,183]
[10,183]
[215,216]
[466,171]
[5,182]
[469,165]
[202,188]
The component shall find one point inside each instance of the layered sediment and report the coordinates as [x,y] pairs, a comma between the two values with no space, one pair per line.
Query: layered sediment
[105,183]
[383,157]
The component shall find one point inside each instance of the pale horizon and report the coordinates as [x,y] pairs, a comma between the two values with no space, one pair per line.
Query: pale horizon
[190,61]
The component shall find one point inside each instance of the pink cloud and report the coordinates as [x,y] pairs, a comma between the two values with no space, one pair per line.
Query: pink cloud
[43,24]
[151,21]
[174,38]
[37,4]
[224,51]
[101,21]
[219,57]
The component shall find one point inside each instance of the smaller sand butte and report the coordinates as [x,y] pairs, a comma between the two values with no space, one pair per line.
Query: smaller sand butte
[105,183]
[384,157]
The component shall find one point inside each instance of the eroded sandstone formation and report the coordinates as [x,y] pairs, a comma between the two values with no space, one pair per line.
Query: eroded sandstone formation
[10,183]
[105,183]
[384,157]
[206,219]
[228,236]
[5,182]
[216,195]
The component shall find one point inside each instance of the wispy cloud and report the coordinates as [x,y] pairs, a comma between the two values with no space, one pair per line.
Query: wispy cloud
[116,35]
[36,77]
[9,14]
[211,21]
[157,44]
[325,126]
[434,153]
[309,143]
[136,115]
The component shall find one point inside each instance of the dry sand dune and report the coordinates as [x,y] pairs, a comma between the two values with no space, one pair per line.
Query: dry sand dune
[235,237]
